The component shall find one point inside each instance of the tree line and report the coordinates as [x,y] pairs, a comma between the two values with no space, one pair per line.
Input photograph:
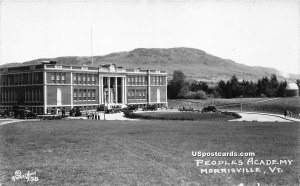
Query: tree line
[179,87]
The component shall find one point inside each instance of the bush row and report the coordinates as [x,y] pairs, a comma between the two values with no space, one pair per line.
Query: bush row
[231,114]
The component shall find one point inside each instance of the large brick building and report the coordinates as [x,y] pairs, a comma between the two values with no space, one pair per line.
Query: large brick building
[50,86]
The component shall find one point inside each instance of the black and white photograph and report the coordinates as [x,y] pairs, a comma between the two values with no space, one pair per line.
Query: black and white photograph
[150,92]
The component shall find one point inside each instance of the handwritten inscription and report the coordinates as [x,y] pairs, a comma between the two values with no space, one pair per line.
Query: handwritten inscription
[29,176]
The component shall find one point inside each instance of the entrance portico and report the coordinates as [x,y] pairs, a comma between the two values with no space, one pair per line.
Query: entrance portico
[112,89]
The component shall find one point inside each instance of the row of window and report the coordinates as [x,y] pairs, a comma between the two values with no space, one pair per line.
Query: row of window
[143,80]
[37,110]
[58,77]
[8,96]
[137,80]
[136,94]
[84,95]
[34,95]
[84,78]
[22,78]
[157,80]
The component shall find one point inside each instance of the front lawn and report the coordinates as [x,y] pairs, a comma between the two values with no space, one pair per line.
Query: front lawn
[82,152]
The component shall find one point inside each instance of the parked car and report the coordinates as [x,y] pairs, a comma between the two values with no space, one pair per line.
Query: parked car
[184,109]
[209,109]
[133,108]
[150,107]
[24,114]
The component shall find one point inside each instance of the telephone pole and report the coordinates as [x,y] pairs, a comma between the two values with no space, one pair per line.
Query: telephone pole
[92,45]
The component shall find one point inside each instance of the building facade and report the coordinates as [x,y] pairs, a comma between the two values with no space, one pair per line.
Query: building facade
[49,86]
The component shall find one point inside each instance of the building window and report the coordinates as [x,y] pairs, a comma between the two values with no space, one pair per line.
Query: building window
[93,79]
[29,95]
[83,79]
[88,95]
[75,95]
[33,78]
[129,94]
[52,78]
[33,95]
[144,94]
[74,78]
[79,78]
[57,78]
[140,94]
[89,79]
[129,80]
[84,95]
[37,78]
[94,95]
[63,78]
[80,95]
[136,80]
[41,95]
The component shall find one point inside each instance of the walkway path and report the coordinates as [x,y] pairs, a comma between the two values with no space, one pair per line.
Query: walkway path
[256,116]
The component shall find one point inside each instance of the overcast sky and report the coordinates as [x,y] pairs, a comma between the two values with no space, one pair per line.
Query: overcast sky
[255,33]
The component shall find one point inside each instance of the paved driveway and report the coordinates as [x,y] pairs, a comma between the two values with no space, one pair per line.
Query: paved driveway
[264,117]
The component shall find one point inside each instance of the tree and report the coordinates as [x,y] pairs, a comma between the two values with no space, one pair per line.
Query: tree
[176,84]
[298,83]
[221,88]
[281,89]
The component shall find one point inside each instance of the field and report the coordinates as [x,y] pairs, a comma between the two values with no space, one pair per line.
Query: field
[81,152]
[267,105]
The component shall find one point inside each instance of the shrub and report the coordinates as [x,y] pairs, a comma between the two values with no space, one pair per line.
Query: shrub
[190,95]
[262,95]
[128,113]
[200,95]
[231,114]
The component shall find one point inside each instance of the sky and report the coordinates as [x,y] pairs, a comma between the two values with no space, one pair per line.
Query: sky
[255,33]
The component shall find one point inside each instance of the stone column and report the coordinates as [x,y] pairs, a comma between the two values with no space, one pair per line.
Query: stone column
[100,89]
[149,83]
[108,84]
[123,88]
[166,84]
[116,89]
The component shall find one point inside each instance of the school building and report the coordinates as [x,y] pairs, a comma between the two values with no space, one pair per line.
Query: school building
[50,86]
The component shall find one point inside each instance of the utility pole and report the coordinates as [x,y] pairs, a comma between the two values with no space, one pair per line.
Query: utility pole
[92,45]
[241,103]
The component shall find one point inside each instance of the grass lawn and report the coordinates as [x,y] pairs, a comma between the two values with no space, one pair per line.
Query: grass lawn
[184,116]
[81,152]
[276,106]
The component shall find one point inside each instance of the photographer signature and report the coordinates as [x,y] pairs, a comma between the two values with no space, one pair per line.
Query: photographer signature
[29,176]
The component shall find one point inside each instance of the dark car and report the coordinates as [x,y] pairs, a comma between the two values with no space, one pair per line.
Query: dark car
[131,107]
[150,107]
[24,114]
[209,109]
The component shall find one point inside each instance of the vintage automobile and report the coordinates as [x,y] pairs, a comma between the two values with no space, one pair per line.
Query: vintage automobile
[184,109]
[24,114]
[133,108]
[209,109]
[150,107]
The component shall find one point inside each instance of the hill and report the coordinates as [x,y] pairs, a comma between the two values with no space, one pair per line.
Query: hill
[196,64]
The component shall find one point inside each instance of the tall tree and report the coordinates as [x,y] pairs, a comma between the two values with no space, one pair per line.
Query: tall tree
[176,84]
